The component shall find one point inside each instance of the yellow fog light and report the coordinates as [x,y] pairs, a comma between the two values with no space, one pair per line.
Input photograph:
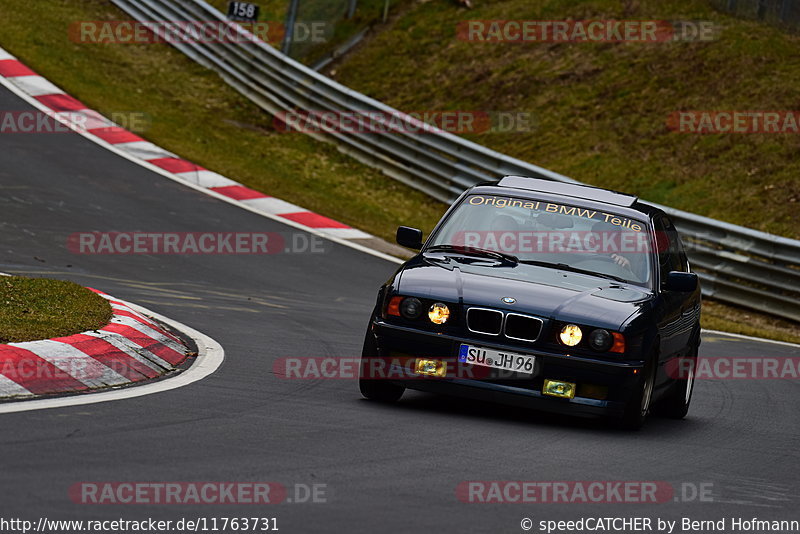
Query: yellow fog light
[571,335]
[555,388]
[439,313]
[431,367]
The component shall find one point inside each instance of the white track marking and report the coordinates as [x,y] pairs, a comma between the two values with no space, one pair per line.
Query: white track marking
[751,338]
[147,331]
[117,309]
[36,86]
[9,388]
[206,178]
[89,119]
[74,362]
[144,150]
[272,205]
[137,352]
[210,357]
[345,233]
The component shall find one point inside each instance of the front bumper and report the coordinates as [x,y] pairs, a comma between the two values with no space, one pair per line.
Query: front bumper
[604,386]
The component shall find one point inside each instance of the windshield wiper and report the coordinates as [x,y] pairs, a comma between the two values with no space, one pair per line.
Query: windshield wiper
[567,267]
[475,251]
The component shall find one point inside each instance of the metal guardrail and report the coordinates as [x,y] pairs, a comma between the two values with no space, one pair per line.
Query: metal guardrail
[780,12]
[736,264]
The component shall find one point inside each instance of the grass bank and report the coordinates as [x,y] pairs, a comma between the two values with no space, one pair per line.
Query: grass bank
[39,308]
[600,109]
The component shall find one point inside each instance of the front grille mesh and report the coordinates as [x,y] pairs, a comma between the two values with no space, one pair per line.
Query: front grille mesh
[522,327]
[482,321]
[512,325]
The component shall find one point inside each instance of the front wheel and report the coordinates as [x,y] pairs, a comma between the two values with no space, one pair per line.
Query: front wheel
[375,389]
[639,405]
[676,404]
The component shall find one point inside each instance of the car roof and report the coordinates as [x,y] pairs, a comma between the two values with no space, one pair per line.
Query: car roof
[569,190]
[622,203]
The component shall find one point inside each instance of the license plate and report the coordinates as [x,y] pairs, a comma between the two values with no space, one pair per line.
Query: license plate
[497,359]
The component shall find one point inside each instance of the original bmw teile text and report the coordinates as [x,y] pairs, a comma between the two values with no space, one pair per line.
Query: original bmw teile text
[669,526]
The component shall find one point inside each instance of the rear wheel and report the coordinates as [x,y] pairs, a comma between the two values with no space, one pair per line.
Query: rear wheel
[639,404]
[375,389]
[676,404]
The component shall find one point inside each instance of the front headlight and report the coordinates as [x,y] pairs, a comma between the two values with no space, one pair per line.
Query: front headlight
[571,335]
[411,308]
[439,313]
[600,340]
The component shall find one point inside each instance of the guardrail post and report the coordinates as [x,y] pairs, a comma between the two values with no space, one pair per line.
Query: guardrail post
[785,8]
[761,11]
[291,17]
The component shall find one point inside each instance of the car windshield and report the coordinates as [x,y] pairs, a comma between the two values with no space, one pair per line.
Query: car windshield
[549,234]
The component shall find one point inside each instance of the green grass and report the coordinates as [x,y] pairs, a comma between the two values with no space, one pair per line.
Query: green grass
[38,308]
[601,109]
[718,316]
[195,114]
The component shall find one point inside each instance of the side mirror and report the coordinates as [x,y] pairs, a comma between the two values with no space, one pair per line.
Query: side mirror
[679,281]
[409,237]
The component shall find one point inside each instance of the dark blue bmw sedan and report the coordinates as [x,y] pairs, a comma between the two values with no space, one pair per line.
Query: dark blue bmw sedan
[554,296]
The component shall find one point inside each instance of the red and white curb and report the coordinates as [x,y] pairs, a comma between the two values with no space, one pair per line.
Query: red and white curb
[45,96]
[131,348]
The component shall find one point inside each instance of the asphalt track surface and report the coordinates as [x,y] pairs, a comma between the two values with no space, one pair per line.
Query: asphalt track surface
[387,468]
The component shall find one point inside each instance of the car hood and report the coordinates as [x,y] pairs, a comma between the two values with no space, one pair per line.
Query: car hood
[544,292]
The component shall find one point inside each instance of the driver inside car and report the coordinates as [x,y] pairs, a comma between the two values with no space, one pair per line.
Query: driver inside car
[632,262]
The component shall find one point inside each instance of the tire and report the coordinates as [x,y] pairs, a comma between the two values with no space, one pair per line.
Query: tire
[638,406]
[675,405]
[376,389]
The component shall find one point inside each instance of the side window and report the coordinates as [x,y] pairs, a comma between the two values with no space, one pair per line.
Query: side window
[680,261]
[668,246]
